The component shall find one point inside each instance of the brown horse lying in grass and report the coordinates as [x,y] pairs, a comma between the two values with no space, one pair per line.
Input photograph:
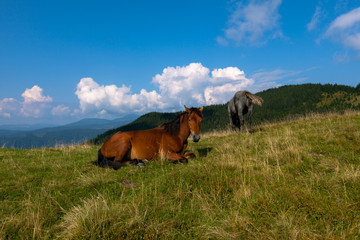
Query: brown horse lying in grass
[168,140]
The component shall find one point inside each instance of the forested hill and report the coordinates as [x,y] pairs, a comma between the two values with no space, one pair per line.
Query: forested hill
[279,103]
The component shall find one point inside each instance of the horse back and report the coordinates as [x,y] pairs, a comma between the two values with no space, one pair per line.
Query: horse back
[239,102]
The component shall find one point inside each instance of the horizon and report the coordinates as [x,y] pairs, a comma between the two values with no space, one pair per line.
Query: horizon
[107,60]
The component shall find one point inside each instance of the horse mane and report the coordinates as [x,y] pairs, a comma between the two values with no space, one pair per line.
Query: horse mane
[173,126]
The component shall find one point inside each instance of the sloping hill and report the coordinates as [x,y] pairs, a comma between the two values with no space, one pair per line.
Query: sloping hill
[279,103]
[291,180]
[291,100]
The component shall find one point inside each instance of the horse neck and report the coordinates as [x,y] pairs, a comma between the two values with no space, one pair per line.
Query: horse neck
[184,131]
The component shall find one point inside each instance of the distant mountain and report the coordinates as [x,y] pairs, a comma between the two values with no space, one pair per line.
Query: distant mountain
[279,103]
[25,127]
[10,132]
[72,133]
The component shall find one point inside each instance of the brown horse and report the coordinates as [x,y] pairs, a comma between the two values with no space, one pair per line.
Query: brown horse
[168,140]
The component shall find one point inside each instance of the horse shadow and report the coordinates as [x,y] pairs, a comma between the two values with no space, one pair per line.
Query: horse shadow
[203,152]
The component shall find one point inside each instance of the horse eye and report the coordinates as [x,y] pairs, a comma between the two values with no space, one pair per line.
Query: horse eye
[189,120]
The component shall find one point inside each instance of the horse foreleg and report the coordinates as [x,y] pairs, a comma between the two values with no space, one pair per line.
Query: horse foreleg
[187,154]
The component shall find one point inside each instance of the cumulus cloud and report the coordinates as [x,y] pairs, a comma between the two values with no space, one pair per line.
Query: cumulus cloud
[34,104]
[191,85]
[225,82]
[35,95]
[183,83]
[229,73]
[113,99]
[254,23]
[346,29]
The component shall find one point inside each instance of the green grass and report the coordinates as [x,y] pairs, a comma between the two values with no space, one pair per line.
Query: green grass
[290,180]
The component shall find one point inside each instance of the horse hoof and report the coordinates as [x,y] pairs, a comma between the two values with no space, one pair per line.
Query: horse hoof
[184,160]
[141,165]
[189,155]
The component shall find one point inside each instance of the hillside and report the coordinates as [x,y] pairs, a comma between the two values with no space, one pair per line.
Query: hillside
[297,179]
[279,103]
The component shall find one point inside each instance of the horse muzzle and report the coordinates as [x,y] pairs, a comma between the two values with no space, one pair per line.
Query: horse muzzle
[195,137]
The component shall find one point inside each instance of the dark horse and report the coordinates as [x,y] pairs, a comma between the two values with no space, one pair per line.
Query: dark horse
[168,140]
[242,103]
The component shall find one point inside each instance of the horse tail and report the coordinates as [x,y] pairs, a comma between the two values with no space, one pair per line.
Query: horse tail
[254,99]
[105,162]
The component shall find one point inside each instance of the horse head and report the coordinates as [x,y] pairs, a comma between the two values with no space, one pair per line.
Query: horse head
[194,121]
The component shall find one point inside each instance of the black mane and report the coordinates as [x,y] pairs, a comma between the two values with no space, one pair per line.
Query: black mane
[173,126]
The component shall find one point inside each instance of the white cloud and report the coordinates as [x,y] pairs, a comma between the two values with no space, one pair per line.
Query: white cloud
[8,106]
[191,85]
[278,74]
[316,18]
[32,110]
[225,82]
[229,73]
[35,95]
[277,77]
[113,99]
[345,21]
[346,29]
[60,110]
[183,83]
[222,41]
[254,23]
[34,104]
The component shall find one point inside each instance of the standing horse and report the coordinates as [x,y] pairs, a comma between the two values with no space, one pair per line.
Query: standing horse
[242,103]
[168,140]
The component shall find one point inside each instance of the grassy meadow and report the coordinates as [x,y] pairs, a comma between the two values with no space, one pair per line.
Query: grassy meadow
[298,179]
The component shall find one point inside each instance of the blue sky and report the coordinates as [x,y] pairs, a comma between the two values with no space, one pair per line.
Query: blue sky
[61,61]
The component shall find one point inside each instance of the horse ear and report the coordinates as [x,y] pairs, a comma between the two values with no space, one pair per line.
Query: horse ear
[200,109]
[187,109]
